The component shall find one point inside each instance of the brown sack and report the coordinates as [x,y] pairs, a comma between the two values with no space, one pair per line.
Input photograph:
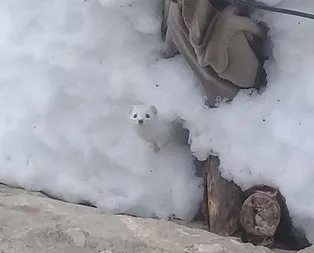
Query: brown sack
[216,45]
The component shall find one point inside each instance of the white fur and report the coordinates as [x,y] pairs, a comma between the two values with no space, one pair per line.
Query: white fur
[154,129]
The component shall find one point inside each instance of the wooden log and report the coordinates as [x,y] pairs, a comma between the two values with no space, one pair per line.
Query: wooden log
[205,199]
[260,216]
[224,200]
[286,236]
[226,212]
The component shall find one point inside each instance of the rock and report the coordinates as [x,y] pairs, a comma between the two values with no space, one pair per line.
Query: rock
[77,236]
[307,250]
[283,251]
[33,223]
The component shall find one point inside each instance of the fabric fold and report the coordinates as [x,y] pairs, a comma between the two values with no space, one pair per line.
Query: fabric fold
[216,45]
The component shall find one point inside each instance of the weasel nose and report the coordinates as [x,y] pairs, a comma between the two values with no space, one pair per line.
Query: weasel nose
[141,121]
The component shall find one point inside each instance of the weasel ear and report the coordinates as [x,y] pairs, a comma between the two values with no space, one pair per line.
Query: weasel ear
[131,109]
[154,109]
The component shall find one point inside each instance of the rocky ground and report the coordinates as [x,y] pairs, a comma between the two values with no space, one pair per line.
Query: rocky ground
[33,223]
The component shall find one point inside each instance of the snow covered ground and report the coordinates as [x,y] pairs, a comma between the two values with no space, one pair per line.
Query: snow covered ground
[269,138]
[69,72]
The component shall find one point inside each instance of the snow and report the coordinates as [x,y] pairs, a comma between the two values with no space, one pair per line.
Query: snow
[70,71]
[268,138]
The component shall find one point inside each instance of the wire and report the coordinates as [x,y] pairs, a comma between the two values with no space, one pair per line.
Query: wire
[256,5]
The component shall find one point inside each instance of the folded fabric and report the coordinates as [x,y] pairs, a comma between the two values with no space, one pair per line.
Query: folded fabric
[217,45]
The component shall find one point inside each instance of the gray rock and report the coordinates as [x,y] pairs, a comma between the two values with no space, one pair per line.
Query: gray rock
[33,223]
[283,251]
[308,250]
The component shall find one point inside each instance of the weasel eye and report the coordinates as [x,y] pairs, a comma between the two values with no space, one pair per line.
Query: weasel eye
[135,116]
[147,116]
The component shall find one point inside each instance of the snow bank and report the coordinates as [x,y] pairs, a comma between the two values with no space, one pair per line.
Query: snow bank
[269,138]
[69,72]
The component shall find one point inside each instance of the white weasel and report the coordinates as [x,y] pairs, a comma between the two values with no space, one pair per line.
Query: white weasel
[150,126]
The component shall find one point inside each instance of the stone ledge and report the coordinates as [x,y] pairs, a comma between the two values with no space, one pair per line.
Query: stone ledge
[33,223]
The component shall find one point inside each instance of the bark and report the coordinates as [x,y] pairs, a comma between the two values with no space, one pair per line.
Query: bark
[224,200]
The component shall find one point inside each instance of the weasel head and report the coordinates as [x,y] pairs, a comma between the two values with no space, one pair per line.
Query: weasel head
[141,115]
